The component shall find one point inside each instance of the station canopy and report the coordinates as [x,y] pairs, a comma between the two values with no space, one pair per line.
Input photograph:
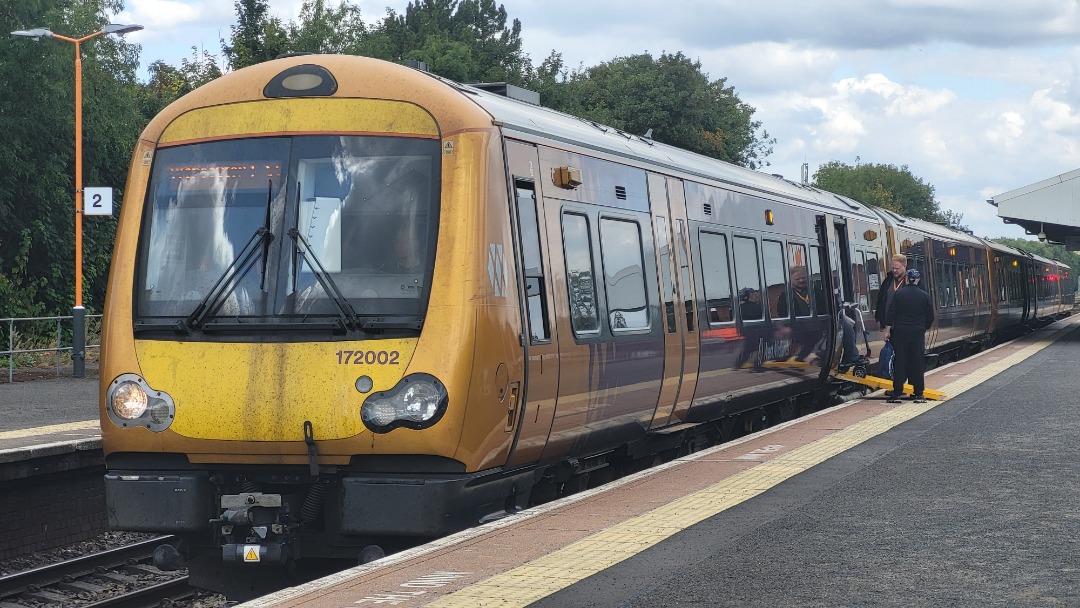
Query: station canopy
[1049,209]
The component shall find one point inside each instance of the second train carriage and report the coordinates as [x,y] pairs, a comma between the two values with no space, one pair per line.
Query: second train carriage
[350,301]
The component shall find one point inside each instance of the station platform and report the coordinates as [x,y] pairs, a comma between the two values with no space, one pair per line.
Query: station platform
[971,501]
[42,415]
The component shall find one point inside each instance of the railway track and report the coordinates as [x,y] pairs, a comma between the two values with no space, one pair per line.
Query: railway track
[120,577]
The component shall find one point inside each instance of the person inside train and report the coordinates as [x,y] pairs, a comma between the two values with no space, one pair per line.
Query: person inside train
[404,255]
[804,335]
[800,294]
[750,304]
[909,315]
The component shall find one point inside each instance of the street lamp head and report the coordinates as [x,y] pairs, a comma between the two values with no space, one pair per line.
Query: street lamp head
[120,29]
[35,34]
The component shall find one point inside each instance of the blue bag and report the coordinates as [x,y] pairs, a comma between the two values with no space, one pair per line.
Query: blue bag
[885,360]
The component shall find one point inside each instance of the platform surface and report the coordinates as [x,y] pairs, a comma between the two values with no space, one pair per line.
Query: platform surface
[972,501]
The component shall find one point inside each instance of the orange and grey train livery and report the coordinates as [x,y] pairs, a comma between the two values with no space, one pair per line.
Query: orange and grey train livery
[351,301]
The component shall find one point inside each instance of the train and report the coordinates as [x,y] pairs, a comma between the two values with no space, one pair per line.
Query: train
[351,301]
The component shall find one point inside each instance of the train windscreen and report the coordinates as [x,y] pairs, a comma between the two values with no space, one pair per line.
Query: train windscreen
[286,229]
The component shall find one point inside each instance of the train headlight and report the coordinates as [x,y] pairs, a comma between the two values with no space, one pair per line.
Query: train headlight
[417,402]
[130,402]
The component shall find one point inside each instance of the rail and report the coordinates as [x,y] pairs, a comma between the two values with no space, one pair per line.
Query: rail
[57,349]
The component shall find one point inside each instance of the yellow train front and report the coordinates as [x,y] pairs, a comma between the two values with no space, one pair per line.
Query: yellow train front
[312,339]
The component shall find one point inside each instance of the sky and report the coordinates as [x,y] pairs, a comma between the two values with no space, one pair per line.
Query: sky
[975,97]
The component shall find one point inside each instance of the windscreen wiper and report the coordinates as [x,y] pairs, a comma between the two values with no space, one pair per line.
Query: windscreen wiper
[345,310]
[228,279]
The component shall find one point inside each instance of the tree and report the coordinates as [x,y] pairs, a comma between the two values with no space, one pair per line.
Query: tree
[327,30]
[670,96]
[256,37]
[465,40]
[885,186]
[37,161]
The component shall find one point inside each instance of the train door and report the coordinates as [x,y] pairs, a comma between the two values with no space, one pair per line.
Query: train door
[539,337]
[684,287]
[680,343]
[837,285]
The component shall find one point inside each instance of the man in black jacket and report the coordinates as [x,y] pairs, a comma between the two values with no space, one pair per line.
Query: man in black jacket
[909,315]
[894,280]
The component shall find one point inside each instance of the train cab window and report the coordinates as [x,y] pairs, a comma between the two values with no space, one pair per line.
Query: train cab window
[821,303]
[776,289]
[714,270]
[580,284]
[533,267]
[624,275]
[799,279]
[747,278]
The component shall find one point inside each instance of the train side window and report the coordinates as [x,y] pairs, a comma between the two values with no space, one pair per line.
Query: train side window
[821,304]
[716,277]
[747,278]
[799,278]
[535,294]
[776,288]
[873,279]
[624,275]
[862,283]
[681,237]
[942,287]
[580,283]
[663,243]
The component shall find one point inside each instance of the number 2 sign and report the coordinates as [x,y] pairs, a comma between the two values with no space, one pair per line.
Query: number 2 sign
[97,201]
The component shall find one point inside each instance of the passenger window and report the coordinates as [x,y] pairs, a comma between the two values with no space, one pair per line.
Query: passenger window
[943,288]
[799,279]
[580,283]
[873,278]
[821,304]
[776,290]
[535,296]
[714,269]
[663,243]
[747,278]
[624,275]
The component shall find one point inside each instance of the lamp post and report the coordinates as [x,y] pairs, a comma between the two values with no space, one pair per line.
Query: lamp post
[78,316]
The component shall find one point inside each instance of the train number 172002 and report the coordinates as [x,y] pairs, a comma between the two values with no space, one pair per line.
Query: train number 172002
[368,357]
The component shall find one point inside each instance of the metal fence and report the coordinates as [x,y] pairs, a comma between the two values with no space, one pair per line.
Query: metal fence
[18,358]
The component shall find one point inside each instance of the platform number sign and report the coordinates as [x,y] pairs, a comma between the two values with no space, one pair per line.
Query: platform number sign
[97,201]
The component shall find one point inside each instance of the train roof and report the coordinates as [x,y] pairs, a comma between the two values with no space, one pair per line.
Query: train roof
[553,125]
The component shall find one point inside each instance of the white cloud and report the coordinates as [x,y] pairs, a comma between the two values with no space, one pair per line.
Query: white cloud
[1006,132]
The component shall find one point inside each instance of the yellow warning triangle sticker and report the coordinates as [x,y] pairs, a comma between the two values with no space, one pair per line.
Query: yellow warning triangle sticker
[251,554]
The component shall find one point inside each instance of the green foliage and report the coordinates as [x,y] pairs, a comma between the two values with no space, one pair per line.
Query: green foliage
[38,159]
[669,95]
[256,37]
[17,291]
[879,185]
[327,30]
[466,40]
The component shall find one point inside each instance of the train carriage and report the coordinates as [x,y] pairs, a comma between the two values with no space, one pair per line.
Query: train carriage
[351,301]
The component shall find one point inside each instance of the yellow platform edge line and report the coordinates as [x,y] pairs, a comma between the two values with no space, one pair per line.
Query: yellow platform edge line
[551,573]
[55,428]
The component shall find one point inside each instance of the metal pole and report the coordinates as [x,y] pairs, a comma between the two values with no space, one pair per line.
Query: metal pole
[78,316]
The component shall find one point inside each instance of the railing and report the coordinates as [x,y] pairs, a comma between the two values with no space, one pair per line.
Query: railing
[58,349]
